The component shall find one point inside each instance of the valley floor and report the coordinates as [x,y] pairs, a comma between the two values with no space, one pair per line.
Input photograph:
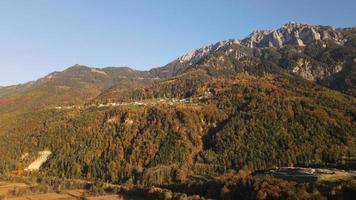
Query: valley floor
[24,191]
[274,183]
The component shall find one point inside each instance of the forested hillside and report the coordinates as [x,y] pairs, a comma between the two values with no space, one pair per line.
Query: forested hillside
[220,109]
[74,86]
[247,122]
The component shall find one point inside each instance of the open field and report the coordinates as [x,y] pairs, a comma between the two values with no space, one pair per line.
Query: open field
[22,191]
[65,196]
[300,174]
[337,176]
[6,187]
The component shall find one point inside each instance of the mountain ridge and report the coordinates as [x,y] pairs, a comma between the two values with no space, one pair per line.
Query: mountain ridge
[293,33]
[259,38]
[321,59]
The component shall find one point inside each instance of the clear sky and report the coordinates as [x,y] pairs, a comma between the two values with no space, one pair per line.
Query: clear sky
[41,36]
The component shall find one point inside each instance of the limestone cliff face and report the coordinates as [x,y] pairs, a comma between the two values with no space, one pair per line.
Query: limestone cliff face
[314,52]
[293,33]
[314,71]
[186,61]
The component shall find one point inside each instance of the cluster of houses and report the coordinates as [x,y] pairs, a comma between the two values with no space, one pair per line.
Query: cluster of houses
[67,107]
[101,105]
[135,103]
[170,101]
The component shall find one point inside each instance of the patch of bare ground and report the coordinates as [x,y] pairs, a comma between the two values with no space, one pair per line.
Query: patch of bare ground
[106,197]
[22,191]
[47,196]
[6,187]
[300,174]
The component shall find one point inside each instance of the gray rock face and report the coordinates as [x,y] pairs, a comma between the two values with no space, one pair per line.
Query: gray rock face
[242,54]
[196,54]
[192,57]
[293,33]
[310,35]
[313,71]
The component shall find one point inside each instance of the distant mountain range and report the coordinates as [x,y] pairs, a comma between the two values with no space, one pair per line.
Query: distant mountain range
[309,64]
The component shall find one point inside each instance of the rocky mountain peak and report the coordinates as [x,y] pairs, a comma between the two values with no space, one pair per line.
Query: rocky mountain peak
[196,54]
[292,33]
[292,25]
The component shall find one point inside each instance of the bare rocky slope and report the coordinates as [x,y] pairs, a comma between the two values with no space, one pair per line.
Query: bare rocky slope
[321,54]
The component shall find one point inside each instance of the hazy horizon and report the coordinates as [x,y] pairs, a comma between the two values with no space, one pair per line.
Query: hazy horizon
[40,37]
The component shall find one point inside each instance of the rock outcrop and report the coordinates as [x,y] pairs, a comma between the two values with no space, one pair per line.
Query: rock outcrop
[36,165]
[293,33]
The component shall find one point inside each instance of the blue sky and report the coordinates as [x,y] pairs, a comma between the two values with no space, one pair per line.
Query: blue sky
[41,36]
